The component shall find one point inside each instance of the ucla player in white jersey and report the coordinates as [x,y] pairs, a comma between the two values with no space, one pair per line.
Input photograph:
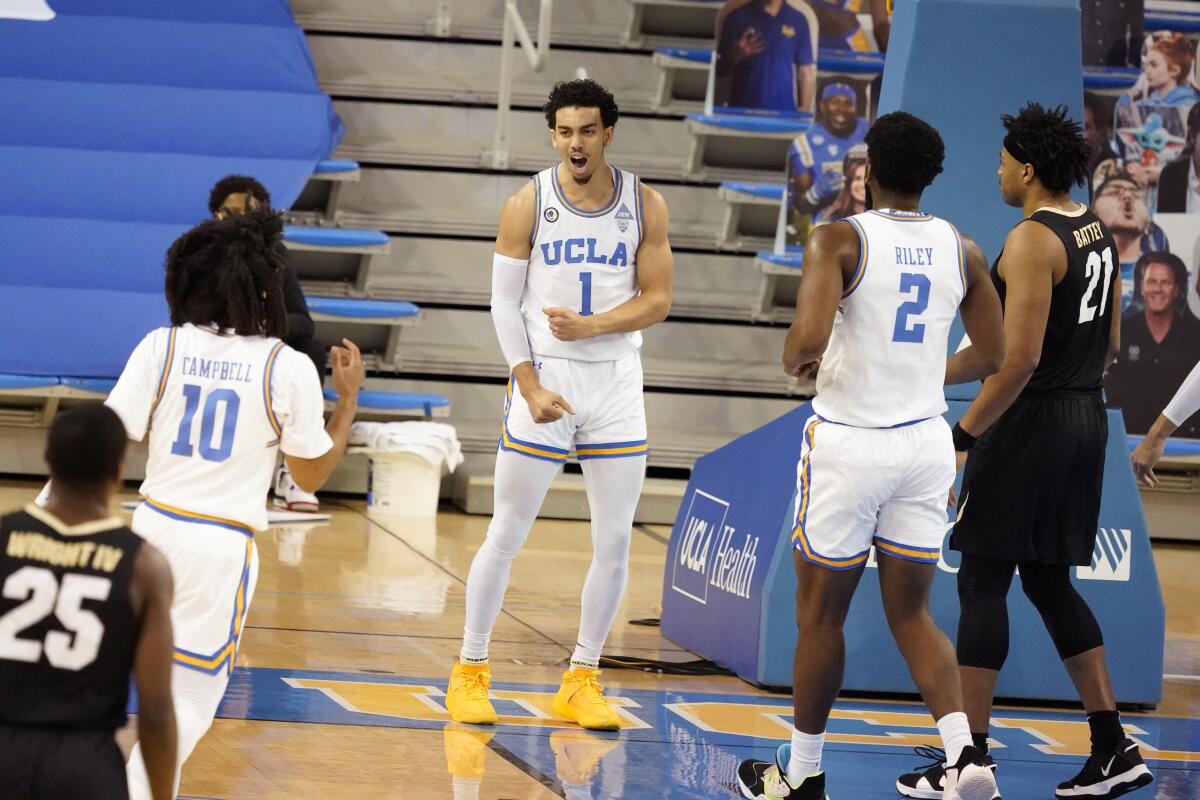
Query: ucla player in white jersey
[582,265]
[878,296]
[219,395]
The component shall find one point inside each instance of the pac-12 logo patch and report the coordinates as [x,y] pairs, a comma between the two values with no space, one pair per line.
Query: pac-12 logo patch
[551,215]
[624,217]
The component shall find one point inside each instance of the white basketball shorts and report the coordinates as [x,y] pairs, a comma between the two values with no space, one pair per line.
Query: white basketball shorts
[609,419]
[858,487]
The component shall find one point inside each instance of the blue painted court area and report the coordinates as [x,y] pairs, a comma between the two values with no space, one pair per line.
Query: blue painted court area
[681,745]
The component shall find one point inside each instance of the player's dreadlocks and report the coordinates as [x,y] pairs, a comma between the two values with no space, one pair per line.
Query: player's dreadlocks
[1053,143]
[228,272]
[905,152]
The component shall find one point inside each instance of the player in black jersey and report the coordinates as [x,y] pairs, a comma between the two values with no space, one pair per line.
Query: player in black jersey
[1037,434]
[83,602]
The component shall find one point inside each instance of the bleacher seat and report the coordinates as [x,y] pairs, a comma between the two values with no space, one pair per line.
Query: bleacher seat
[1172,20]
[373,325]
[11,383]
[89,387]
[318,200]
[657,23]
[377,403]
[1109,79]
[751,210]
[780,278]
[1174,448]
[742,147]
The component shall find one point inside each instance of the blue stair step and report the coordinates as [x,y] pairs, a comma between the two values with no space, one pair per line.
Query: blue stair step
[332,165]
[94,385]
[26,381]
[755,123]
[1109,77]
[769,191]
[351,308]
[1173,447]
[334,237]
[395,401]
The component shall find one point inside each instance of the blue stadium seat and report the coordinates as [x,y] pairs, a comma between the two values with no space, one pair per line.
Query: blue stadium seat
[341,238]
[737,123]
[1181,21]
[345,308]
[331,167]
[392,402]
[827,60]
[97,386]
[762,191]
[791,260]
[26,382]
[1109,77]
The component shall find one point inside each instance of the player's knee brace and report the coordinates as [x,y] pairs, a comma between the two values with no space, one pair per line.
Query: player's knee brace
[983,619]
[1070,622]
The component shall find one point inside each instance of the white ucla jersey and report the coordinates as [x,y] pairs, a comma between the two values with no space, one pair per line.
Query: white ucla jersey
[886,360]
[218,408]
[585,261]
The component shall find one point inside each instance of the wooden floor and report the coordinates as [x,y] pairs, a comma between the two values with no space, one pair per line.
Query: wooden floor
[355,625]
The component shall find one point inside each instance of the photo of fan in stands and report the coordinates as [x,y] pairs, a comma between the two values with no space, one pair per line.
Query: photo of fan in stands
[1120,201]
[841,29]
[852,199]
[1166,79]
[766,59]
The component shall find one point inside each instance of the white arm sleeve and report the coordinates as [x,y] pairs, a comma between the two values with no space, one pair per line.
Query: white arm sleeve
[1186,400]
[508,284]
[299,406]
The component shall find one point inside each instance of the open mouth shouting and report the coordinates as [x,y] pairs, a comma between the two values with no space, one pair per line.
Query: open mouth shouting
[579,163]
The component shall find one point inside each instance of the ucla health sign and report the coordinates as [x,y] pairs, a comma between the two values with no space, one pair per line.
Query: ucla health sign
[729,586]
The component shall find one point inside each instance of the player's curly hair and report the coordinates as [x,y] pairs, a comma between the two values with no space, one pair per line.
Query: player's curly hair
[237,184]
[230,271]
[584,93]
[905,152]
[1054,144]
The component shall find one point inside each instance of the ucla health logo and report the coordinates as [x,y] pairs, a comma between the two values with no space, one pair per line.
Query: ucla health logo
[1111,556]
[708,555]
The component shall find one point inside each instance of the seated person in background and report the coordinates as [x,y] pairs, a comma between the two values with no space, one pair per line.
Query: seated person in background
[1120,203]
[765,49]
[1160,343]
[815,157]
[840,29]
[1166,78]
[1179,181]
[237,194]
[853,197]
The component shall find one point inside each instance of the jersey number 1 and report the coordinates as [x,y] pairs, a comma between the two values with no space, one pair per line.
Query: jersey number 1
[585,308]
[209,450]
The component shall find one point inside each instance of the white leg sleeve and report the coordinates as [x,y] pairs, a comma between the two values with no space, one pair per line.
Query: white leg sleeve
[614,486]
[521,486]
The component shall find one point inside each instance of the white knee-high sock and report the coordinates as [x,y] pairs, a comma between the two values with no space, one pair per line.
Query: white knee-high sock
[614,486]
[196,696]
[521,486]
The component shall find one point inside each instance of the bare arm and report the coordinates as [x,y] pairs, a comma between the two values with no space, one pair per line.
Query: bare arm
[1027,268]
[881,24]
[983,320]
[310,474]
[830,256]
[152,664]
[808,86]
[655,266]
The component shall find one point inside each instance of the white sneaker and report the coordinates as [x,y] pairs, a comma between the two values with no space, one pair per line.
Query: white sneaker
[290,496]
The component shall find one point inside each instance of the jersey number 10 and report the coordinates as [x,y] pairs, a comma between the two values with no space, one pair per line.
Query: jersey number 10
[216,451]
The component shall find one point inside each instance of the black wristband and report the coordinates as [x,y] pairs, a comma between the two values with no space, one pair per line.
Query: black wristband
[963,441]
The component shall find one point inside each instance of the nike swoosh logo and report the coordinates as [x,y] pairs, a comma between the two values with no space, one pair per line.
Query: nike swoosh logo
[1105,770]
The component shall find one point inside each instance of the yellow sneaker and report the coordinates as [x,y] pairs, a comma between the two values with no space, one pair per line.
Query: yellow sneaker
[580,699]
[467,697]
[577,755]
[466,750]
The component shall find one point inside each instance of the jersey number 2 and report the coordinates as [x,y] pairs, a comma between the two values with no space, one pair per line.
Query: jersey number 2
[1087,311]
[209,450]
[904,331]
[43,596]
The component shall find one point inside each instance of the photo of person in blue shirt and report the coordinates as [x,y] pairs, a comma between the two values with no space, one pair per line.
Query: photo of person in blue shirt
[766,56]
[815,157]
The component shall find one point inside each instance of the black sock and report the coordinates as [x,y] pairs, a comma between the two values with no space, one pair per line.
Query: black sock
[1107,732]
[980,740]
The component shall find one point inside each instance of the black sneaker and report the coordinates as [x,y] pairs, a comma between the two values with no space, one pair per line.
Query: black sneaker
[972,778]
[767,780]
[929,780]
[1109,775]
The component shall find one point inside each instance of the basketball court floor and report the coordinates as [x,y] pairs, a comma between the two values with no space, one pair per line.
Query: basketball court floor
[340,679]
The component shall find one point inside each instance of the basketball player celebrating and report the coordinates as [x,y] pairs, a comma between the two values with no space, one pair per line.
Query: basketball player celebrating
[582,265]
[85,602]
[219,395]
[878,295]
[1059,280]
